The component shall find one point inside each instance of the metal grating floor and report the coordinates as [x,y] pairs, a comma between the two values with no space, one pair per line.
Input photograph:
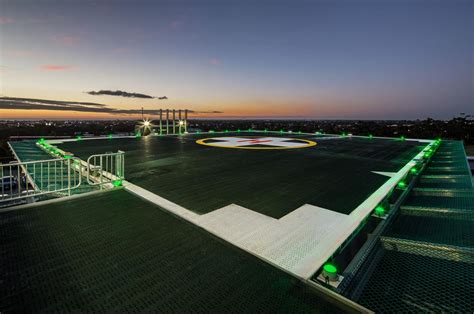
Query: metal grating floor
[408,283]
[457,232]
[427,261]
[118,253]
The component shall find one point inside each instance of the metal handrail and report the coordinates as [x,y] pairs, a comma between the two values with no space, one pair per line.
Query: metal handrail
[105,168]
[43,176]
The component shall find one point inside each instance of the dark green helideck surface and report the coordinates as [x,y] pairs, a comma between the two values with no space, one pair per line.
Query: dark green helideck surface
[115,252]
[335,174]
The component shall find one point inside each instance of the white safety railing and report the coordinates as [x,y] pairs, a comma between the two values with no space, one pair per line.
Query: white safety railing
[26,180]
[106,168]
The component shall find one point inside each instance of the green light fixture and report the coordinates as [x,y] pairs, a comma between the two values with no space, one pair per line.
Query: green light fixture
[402,185]
[330,268]
[413,170]
[371,136]
[379,210]
[330,272]
[78,137]
[117,183]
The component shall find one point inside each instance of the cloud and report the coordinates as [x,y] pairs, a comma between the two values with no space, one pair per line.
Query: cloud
[66,40]
[214,61]
[124,94]
[55,67]
[55,105]
[5,20]
[119,93]
[49,102]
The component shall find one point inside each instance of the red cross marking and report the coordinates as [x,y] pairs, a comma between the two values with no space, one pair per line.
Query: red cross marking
[255,141]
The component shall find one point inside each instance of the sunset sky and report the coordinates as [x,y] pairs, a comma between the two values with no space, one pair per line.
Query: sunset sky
[349,59]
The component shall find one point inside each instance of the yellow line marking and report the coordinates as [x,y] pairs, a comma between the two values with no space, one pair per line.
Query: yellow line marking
[203,142]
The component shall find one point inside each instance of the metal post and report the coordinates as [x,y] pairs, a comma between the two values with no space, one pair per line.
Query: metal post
[174,121]
[185,120]
[167,121]
[161,120]
[180,122]
[101,178]
[1,177]
[18,175]
[62,175]
[69,177]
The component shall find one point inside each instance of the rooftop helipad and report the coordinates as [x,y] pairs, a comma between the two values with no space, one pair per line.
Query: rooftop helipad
[253,200]
[267,174]
[290,199]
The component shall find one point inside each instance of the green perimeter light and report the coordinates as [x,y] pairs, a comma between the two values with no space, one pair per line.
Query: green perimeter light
[138,135]
[379,210]
[78,137]
[211,131]
[117,183]
[226,131]
[371,136]
[330,268]
[402,185]
[413,170]
[109,136]
[238,130]
[281,131]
